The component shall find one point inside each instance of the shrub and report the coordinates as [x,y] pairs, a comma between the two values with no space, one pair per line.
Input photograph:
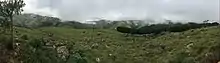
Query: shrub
[123,29]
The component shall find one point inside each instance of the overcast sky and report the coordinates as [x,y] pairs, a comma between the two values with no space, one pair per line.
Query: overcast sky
[81,10]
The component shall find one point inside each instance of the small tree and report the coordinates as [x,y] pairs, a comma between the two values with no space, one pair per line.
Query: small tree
[9,8]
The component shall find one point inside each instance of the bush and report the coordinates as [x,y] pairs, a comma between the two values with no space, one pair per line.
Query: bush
[37,51]
[123,29]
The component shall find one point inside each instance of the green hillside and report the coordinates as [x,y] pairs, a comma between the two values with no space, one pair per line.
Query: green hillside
[109,46]
[32,38]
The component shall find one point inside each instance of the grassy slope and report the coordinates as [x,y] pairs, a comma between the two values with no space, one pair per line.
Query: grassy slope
[183,46]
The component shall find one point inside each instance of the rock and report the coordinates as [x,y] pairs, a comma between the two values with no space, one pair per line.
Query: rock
[188,36]
[109,54]
[95,45]
[97,60]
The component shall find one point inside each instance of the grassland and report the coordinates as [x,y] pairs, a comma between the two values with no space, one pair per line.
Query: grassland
[109,46]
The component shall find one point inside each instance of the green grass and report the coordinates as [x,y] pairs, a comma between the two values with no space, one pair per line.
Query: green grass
[184,47]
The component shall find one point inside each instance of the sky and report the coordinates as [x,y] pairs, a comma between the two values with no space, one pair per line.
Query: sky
[82,10]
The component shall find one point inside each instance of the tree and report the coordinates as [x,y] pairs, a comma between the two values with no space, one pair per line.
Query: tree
[9,8]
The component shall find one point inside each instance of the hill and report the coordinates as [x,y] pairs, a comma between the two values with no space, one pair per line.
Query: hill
[57,44]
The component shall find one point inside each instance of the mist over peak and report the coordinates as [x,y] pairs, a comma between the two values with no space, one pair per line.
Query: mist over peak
[82,10]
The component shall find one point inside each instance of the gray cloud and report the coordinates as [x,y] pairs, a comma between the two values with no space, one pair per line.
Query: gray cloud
[127,9]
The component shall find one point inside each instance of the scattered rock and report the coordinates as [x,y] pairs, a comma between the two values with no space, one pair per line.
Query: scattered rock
[50,34]
[63,51]
[188,36]
[109,54]
[94,45]
[97,60]
[107,46]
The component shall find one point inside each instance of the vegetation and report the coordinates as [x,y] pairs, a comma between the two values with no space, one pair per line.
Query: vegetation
[61,45]
[42,39]
[159,28]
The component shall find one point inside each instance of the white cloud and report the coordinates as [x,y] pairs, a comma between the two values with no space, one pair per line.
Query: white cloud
[31,7]
[126,9]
